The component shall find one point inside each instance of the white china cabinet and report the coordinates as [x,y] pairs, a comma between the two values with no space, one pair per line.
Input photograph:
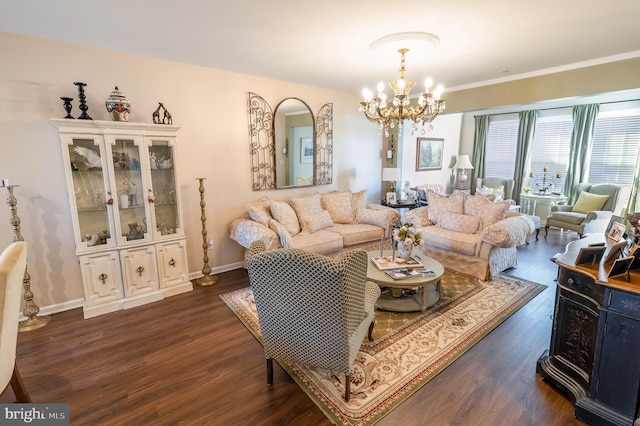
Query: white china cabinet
[125,209]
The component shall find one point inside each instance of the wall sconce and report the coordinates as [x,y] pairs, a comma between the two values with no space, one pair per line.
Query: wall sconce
[463,178]
[391,175]
[391,150]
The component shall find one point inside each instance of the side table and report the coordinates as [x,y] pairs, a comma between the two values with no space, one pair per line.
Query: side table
[531,201]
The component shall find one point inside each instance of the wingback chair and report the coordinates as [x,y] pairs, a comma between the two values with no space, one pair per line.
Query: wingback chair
[13,262]
[312,309]
[591,211]
[495,183]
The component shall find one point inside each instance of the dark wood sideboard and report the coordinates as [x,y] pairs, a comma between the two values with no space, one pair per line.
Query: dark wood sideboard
[594,355]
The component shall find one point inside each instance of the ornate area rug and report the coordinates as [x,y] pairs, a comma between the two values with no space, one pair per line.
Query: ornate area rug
[408,350]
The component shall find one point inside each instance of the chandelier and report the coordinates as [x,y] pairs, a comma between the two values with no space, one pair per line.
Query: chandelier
[428,107]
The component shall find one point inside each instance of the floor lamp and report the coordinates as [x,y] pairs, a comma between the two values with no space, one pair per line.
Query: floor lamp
[30,309]
[207,278]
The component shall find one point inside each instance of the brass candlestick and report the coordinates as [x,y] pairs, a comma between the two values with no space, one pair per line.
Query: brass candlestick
[31,309]
[207,278]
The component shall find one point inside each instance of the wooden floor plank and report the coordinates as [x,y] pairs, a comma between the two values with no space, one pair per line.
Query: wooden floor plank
[189,360]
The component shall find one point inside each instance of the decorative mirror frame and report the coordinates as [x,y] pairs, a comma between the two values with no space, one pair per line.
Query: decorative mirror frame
[262,144]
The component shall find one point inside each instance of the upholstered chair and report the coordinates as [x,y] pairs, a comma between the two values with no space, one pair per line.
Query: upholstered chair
[496,185]
[312,309]
[13,262]
[590,213]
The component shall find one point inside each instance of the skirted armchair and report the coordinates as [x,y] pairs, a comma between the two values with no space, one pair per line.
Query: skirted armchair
[590,213]
[312,309]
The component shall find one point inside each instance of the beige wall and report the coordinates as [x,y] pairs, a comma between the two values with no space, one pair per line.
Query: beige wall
[209,105]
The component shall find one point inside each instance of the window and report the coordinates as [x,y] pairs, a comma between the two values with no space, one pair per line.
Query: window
[614,155]
[500,148]
[550,148]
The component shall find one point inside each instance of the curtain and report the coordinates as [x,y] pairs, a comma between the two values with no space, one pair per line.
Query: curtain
[526,130]
[584,120]
[479,142]
[633,196]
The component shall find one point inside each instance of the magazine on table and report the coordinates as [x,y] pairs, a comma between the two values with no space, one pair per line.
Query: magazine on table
[387,262]
[402,273]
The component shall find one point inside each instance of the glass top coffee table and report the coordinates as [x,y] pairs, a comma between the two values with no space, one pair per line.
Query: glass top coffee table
[427,287]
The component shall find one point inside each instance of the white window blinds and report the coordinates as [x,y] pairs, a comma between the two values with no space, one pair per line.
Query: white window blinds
[500,148]
[614,155]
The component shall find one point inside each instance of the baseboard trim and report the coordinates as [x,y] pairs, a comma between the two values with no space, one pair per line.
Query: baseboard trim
[79,303]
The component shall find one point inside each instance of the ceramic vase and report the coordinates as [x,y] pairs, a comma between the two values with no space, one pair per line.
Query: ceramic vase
[118,106]
[404,251]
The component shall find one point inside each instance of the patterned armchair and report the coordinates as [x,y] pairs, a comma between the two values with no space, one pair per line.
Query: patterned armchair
[312,309]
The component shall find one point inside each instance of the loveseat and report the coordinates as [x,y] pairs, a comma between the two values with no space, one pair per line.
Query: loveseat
[470,233]
[319,223]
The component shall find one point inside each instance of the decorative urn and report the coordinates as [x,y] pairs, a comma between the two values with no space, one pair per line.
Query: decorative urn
[118,106]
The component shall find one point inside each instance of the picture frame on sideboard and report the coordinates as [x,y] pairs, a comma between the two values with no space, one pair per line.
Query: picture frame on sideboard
[615,251]
[590,255]
[621,266]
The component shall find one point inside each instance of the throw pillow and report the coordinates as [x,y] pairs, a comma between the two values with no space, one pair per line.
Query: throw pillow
[490,212]
[497,192]
[457,222]
[317,221]
[439,204]
[588,202]
[305,207]
[359,200]
[260,211]
[373,217]
[285,238]
[339,206]
[282,212]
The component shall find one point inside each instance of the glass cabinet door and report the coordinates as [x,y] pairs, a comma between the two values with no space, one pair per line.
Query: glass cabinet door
[163,182]
[130,189]
[89,180]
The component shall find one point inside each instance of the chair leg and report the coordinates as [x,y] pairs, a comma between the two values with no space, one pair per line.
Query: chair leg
[347,387]
[18,387]
[371,330]
[546,230]
[538,233]
[269,371]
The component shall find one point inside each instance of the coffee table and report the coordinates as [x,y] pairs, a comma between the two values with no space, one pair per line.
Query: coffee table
[427,287]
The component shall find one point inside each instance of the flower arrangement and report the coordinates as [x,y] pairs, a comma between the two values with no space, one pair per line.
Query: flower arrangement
[407,235]
[526,189]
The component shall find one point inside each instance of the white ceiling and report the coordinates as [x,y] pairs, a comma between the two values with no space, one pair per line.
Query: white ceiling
[326,43]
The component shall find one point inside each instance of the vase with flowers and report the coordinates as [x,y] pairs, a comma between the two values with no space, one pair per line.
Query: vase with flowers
[406,237]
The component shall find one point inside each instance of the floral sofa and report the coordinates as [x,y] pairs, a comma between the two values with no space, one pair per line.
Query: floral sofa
[320,223]
[470,233]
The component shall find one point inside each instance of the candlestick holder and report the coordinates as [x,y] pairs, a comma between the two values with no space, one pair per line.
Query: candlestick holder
[31,309]
[207,278]
[545,184]
[83,101]
[67,106]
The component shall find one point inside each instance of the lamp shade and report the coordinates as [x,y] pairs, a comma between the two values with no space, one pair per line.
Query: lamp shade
[390,174]
[463,162]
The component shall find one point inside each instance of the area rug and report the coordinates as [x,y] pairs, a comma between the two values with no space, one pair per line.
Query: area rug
[408,349]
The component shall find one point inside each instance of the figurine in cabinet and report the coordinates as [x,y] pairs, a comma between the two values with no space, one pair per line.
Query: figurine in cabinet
[133,192]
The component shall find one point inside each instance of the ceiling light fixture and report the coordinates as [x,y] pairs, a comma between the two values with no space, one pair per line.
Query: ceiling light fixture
[429,104]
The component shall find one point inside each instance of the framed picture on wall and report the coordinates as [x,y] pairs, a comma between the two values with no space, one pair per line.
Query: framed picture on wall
[306,150]
[429,154]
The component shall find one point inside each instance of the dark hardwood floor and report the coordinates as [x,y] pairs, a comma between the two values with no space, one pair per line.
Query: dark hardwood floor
[189,360]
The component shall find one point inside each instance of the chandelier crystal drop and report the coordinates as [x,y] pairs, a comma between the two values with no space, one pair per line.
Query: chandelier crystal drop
[389,116]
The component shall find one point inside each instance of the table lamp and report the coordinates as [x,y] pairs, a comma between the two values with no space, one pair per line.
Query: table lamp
[462,165]
[391,175]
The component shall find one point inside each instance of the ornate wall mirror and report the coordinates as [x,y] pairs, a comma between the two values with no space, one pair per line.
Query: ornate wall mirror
[293,131]
[288,147]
